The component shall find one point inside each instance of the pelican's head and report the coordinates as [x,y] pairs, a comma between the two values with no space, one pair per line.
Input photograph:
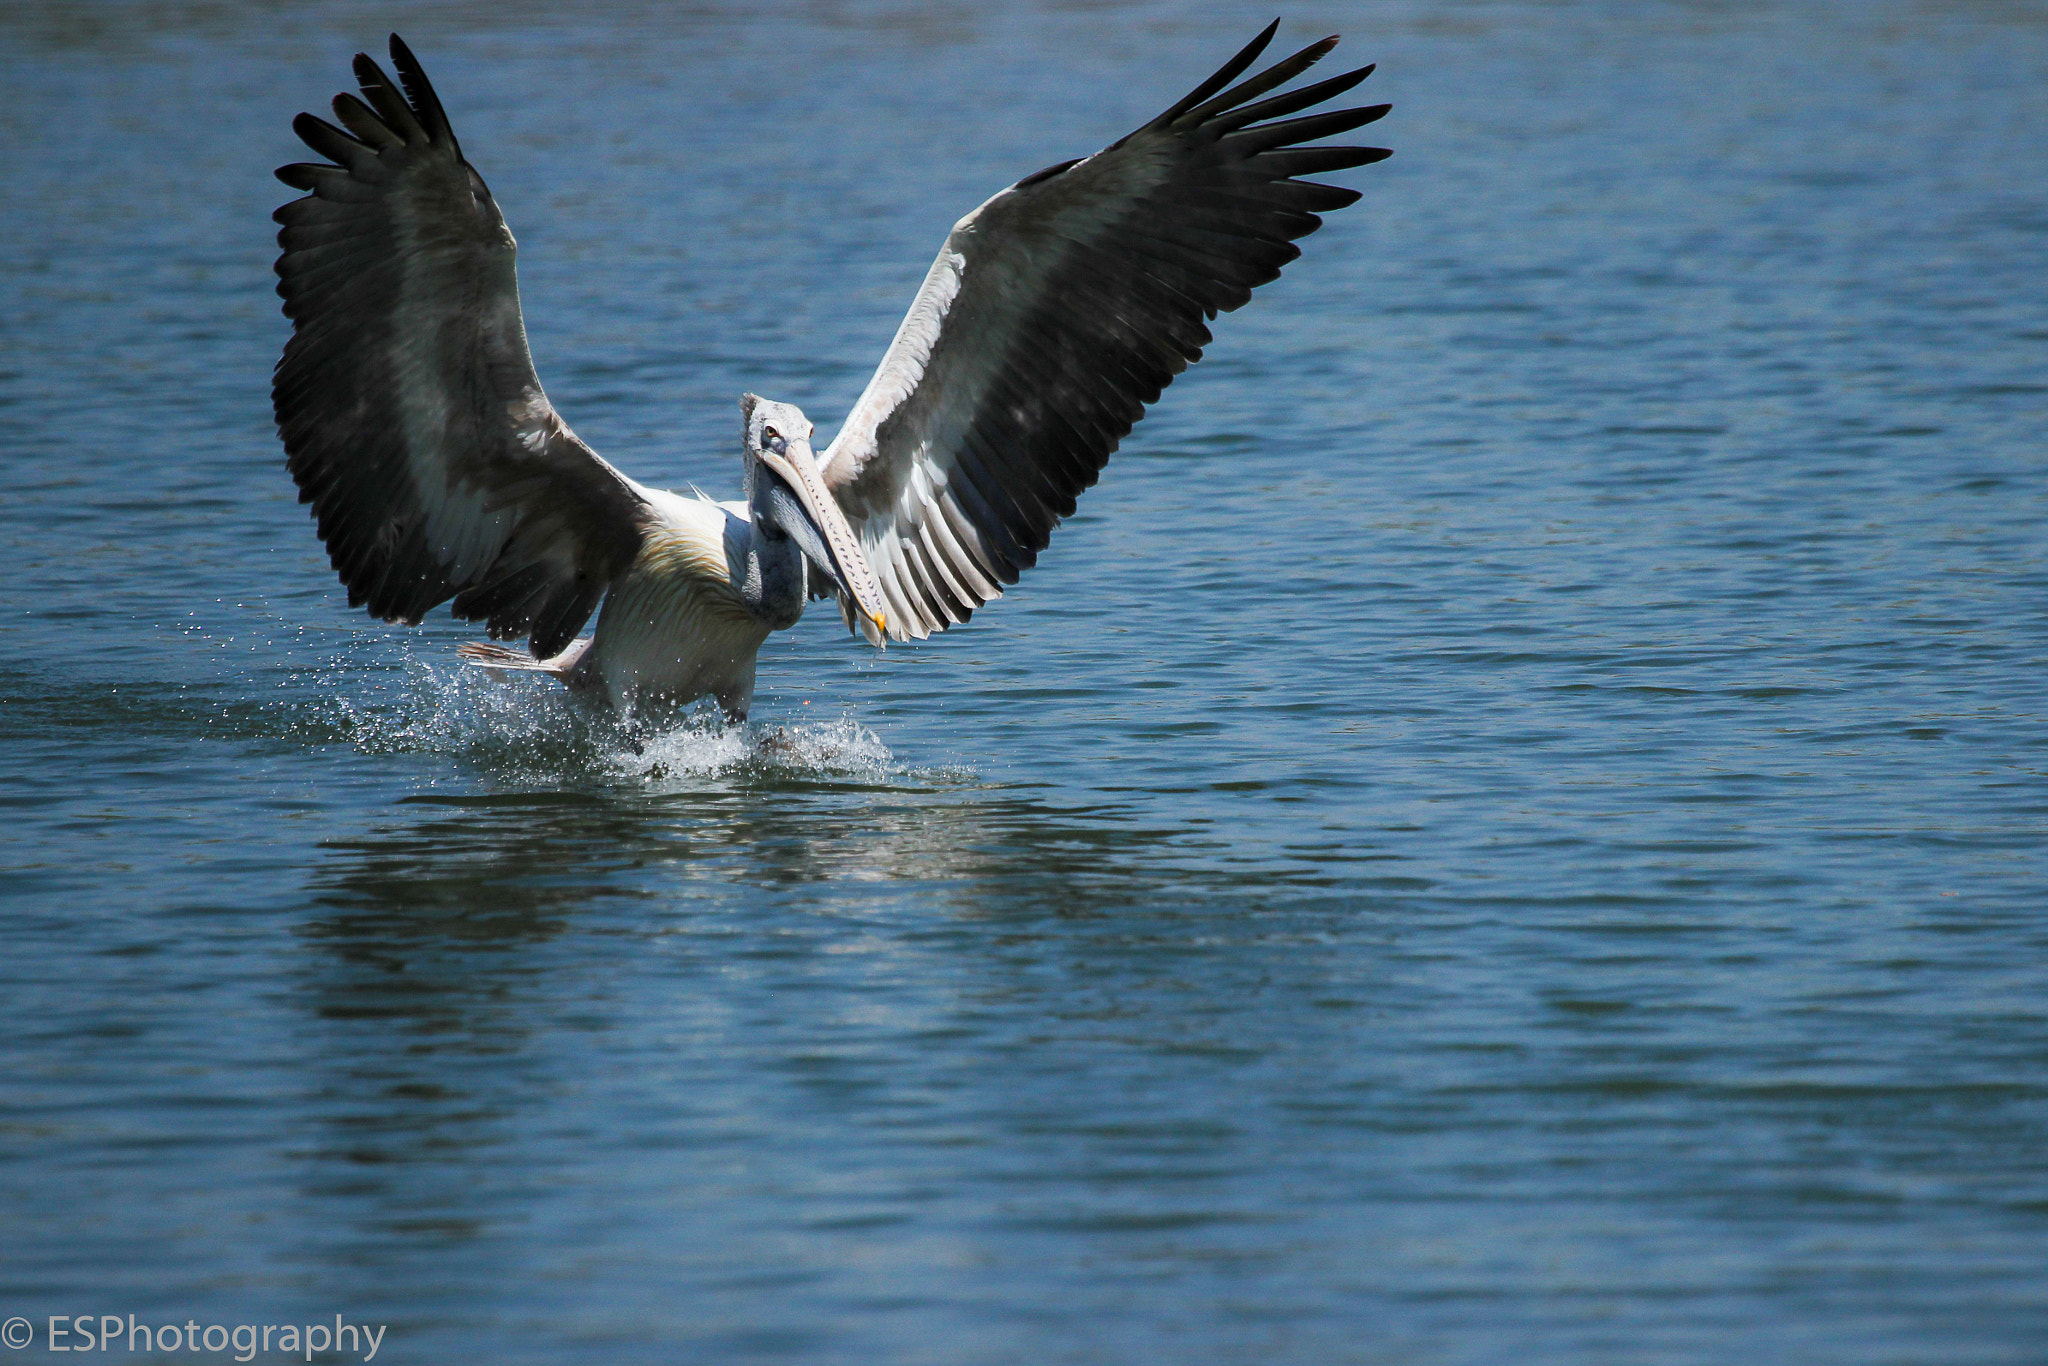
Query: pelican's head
[787,497]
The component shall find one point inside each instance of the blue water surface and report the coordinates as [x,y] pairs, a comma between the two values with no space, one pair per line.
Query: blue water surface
[1508,829]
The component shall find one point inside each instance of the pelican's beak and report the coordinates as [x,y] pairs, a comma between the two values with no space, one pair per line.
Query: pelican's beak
[826,538]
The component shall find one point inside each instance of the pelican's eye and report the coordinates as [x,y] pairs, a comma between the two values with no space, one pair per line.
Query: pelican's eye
[772,440]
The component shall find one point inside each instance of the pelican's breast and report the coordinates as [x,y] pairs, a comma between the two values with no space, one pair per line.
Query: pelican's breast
[674,625]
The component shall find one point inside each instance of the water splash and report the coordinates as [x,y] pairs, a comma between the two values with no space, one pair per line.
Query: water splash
[528,728]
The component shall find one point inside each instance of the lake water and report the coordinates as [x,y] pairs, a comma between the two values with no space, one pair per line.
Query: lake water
[1509,829]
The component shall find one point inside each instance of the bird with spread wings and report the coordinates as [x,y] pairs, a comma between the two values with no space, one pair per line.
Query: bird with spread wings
[414,423]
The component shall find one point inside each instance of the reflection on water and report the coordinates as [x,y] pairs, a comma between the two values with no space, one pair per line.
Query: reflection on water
[515,859]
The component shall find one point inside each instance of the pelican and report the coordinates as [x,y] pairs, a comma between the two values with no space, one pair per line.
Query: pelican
[414,423]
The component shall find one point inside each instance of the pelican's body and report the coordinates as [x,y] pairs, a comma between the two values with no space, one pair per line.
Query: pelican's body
[437,469]
[678,623]
[687,617]
[682,623]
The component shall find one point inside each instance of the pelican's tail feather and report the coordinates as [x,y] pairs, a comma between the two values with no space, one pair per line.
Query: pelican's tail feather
[488,654]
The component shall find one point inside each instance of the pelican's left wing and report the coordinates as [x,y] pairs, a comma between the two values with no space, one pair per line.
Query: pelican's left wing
[411,415]
[1060,308]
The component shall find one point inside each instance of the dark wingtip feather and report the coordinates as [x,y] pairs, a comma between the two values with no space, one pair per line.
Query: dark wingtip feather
[420,91]
[1265,137]
[310,126]
[1291,102]
[1225,74]
[1273,76]
[339,147]
[1330,198]
[1317,160]
[390,103]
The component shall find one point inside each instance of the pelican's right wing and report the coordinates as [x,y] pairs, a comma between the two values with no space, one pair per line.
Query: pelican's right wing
[1058,310]
[411,415]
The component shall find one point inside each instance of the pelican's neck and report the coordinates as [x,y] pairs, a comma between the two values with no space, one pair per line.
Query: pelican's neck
[766,567]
